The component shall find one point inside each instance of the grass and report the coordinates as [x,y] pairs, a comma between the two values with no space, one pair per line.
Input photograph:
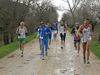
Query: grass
[5,50]
[69,29]
[96,48]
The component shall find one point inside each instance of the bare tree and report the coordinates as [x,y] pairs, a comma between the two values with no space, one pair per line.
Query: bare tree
[73,8]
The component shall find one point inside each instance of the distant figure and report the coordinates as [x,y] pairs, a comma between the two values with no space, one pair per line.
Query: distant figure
[49,33]
[21,33]
[55,30]
[77,38]
[63,30]
[39,34]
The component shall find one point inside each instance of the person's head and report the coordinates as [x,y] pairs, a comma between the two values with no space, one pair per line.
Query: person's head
[41,22]
[77,24]
[62,22]
[48,22]
[86,21]
[22,23]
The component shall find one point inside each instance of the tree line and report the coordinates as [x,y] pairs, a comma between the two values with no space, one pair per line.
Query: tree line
[84,9]
[30,11]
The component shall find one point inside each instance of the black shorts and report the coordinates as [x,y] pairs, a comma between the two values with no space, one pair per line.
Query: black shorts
[63,37]
[77,41]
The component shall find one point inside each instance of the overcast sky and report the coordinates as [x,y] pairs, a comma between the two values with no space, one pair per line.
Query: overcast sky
[61,4]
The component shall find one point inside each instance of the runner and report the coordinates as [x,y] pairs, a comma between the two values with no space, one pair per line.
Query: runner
[44,40]
[55,30]
[50,34]
[46,37]
[77,39]
[63,34]
[86,31]
[39,33]
[21,32]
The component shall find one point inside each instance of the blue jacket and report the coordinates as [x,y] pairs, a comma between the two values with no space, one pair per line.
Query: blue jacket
[43,32]
[46,31]
[55,26]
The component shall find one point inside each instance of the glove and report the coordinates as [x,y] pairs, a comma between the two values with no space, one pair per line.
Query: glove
[41,37]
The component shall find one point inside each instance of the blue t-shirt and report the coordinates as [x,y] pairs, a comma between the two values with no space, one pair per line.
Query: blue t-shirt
[55,26]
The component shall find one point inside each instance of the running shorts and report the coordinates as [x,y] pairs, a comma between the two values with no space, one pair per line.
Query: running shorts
[63,36]
[22,40]
[77,41]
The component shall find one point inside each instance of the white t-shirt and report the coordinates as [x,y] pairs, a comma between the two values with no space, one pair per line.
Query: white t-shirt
[86,36]
[62,29]
[22,31]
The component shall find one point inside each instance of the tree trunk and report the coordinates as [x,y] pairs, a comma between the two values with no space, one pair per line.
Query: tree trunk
[99,38]
[5,38]
[11,37]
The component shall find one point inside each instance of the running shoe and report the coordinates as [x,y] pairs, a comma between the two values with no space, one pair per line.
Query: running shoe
[22,54]
[88,62]
[84,60]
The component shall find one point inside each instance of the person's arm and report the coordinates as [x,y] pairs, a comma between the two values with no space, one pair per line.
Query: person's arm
[26,31]
[92,33]
[72,31]
[17,31]
[65,28]
[79,32]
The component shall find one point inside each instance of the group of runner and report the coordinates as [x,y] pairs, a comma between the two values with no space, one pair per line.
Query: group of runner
[81,33]
[45,31]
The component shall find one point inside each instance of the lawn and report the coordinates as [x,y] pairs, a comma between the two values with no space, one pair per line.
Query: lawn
[96,48]
[5,50]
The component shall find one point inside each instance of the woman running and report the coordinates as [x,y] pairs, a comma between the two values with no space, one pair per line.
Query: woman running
[62,34]
[86,31]
[77,39]
[21,32]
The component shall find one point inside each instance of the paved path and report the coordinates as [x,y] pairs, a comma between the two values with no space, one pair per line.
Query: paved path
[58,62]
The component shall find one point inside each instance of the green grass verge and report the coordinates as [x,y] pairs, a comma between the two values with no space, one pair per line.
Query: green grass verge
[96,48]
[5,50]
[69,29]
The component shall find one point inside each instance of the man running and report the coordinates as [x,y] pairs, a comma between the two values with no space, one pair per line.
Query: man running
[86,31]
[21,32]
[63,34]
[77,39]
[44,40]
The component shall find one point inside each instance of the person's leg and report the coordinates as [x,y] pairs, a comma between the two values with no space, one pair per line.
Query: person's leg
[84,52]
[61,40]
[22,46]
[39,44]
[63,43]
[19,39]
[75,42]
[50,36]
[46,47]
[42,52]
[64,39]
[88,51]
[78,46]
